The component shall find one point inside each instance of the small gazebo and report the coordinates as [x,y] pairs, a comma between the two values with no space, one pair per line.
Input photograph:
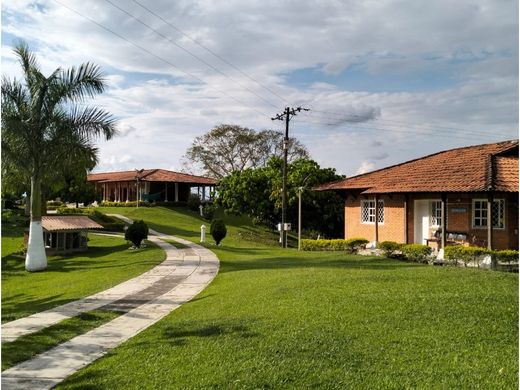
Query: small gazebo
[66,233]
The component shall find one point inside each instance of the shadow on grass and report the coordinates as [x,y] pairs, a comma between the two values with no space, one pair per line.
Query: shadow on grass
[22,305]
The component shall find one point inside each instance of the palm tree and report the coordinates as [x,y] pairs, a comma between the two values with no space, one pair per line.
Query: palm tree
[43,126]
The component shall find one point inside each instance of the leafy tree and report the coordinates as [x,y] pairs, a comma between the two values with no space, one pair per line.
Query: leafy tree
[136,233]
[257,193]
[218,230]
[43,128]
[229,148]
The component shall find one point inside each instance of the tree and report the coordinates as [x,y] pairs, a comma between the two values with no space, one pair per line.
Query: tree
[43,127]
[230,148]
[136,233]
[218,230]
[257,193]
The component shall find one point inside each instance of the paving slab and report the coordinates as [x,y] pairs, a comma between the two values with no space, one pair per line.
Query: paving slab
[158,294]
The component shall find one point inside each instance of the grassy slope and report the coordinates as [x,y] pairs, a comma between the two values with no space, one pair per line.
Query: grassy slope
[275,318]
[107,263]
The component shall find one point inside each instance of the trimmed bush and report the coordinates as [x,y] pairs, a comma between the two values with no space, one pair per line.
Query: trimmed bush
[506,256]
[416,252]
[466,254]
[193,202]
[218,230]
[136,233]
[351,245]
[209,211]
[389,248]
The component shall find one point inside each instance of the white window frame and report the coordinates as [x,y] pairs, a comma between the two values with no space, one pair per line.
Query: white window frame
[488,217]
[438,217]
[372,214]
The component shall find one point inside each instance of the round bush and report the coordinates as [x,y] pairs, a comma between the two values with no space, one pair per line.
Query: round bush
[218,230]
[136,233]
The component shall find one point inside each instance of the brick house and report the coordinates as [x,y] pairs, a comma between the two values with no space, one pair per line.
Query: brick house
[150,184]
[441,199]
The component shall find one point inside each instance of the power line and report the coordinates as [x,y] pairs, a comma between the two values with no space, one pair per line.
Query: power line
[189,52]
[343,116]
[389,130]
[159,57]
[209,50]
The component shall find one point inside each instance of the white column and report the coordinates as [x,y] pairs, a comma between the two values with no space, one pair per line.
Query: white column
[166,192]
[176,192]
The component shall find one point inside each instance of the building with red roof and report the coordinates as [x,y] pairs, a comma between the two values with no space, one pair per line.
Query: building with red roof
[150,185]
[466,195]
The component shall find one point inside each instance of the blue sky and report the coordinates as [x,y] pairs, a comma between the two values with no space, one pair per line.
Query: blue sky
[386,81]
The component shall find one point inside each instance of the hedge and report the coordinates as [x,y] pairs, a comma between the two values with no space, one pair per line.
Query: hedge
[389,247]
[506,256]
[351,245]
[466,254]
[417,252]
[126,204]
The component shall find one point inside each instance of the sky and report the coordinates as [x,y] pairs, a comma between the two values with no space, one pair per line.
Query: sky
[385,81]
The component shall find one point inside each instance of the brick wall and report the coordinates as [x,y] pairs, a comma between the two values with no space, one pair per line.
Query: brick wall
[459,218]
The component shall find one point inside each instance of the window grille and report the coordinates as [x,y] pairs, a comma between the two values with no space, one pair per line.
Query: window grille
[436,213]
[368,211]
[498,213]
[480,213]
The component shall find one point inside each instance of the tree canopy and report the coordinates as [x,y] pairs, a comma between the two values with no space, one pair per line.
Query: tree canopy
[257,193]
[230,148]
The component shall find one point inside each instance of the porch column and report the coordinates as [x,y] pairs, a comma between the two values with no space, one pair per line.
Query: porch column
[376,225]
[166,191]
[203,192]
[176,192]
[405,224]
[443,221]
[490,221]
[127,191]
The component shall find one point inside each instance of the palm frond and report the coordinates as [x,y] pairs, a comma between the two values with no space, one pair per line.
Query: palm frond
[79,83]
[93,122]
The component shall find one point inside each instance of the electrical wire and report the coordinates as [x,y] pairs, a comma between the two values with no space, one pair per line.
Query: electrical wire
[159,57]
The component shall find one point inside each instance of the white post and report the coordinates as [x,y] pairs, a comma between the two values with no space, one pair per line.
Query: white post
[203,233]
[201,210]
[299,217]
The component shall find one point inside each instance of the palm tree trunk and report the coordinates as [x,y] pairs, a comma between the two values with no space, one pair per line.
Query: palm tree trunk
[36,260]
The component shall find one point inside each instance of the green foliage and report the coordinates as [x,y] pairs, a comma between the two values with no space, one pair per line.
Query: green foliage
[126,204]
[230,148]
[351,245]
[389,248]
[257,193]
[466,254]
[416,252]
[209,210]
[193,202]
[136,233]
[506,256]
[218,230]
[55,203]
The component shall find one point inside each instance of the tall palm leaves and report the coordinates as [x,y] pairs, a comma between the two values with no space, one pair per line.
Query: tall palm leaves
[44,129]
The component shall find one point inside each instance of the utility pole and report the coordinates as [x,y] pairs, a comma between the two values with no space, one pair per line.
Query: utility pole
[286,115]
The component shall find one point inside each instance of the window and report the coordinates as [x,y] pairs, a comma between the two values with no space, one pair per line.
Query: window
[368,211]
[436,213]
[480,213]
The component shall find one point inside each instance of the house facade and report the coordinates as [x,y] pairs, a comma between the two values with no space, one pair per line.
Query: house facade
[150,185]
[465,196]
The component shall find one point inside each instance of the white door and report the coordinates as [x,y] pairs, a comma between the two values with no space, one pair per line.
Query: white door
[421,211]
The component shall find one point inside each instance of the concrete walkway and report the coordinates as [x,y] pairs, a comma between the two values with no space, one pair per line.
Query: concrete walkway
[144,300]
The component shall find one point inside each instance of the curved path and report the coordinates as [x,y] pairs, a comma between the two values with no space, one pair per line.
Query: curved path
[144,300]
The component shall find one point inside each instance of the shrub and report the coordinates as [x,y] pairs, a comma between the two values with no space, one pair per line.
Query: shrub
[193,202]
[389,247]
[136,233]
[351,245]
[126,204]
[416,252]
[506,256]
[355,244]
[209,211]
[53,203]
[465,254]
[218,230]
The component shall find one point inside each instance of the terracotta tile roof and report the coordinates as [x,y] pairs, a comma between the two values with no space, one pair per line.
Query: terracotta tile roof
[162,175]
[68,222]
[467,169]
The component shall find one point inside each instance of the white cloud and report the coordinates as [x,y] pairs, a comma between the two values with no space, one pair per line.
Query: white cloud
[366,166]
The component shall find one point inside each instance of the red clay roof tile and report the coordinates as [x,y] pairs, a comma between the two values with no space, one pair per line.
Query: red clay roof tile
[162,175]
[68,222]
[457,170]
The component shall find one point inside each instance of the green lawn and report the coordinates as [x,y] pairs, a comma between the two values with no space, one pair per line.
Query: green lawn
[277,318]
[108,262]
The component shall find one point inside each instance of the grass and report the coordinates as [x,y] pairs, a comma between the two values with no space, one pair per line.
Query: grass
[277,318]
[178,245]
[107,262]
[26,347]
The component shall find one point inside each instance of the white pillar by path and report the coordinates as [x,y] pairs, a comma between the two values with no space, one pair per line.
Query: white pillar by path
[36,259]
